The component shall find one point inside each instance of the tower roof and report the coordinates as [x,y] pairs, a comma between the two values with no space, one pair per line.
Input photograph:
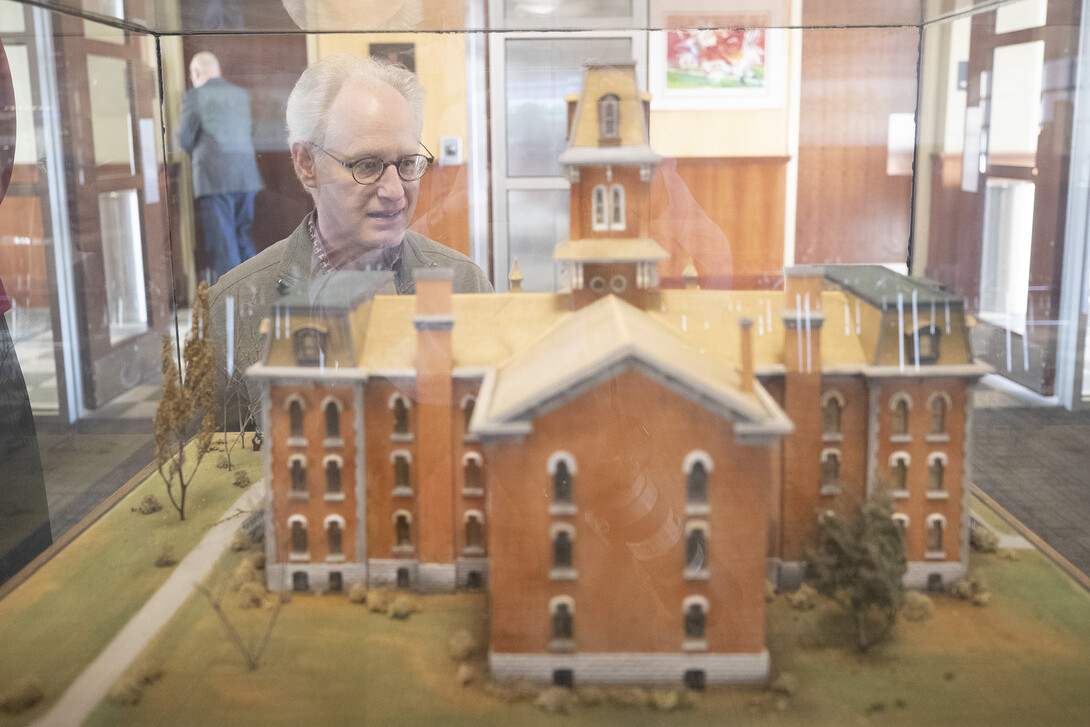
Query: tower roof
[632,147]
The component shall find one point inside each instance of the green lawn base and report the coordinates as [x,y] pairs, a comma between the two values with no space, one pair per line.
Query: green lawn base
[56,623]
[980,511]
[1021,660]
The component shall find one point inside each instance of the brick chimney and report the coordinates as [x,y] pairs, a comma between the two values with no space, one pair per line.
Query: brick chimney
[434,321]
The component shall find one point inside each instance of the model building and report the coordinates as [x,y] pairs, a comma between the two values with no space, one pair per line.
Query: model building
[622,466]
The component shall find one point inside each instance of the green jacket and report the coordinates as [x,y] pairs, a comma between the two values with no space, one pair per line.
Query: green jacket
[256,285]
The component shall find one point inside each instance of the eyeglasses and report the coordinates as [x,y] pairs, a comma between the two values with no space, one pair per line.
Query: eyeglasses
[370,169]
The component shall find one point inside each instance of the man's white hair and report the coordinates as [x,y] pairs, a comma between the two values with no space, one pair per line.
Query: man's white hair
[315,91]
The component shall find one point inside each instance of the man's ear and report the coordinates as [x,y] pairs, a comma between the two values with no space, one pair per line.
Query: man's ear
[303,161]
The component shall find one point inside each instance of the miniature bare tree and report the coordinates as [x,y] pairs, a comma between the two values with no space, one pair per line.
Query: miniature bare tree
[186,407]
[861,564]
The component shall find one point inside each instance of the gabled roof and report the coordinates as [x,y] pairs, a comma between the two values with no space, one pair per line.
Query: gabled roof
[591,346]
[880,286]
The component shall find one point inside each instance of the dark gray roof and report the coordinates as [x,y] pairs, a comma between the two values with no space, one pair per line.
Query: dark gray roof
[879,285]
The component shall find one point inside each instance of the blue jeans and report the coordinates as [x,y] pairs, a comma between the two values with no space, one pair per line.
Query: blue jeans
[227,219]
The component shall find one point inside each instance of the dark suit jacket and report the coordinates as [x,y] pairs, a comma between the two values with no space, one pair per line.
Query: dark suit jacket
[215,130]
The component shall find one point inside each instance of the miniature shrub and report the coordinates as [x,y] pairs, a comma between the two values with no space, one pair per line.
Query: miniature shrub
[357,592]
[630,697]
[467,674]
[241,540]
[166,557]
[251,595]
[378,600]
[244,573]
[402,607]
[556,700]
[982,599]
[969,586]
[242,478]
[786,684]
[917,607]
[462,645]
[804,599]
[21,696]
[125,691]
[590,696]
[148,505]
[257,560]
[518,690]
[222,463]
[982,539]
[664,700]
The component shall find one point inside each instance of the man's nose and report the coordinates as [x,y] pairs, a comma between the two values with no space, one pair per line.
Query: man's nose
[389,184]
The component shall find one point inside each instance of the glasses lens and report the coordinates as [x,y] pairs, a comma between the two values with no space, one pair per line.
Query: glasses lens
[412,167]
[367,170]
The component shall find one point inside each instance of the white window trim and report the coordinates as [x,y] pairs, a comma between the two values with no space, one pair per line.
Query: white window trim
[292,398]
[900,456]
[897,398]
[832,394]
[292,519]
[333,458]
[902,518]
[473,457]
[557,527]
[613,224]
[940,456]
[394,454]
[331,400]
[300,458]
[404,512]
[557,600]
[557,456]
[475,513]
[695,600]
[334,519]
[392,400]
[596,224]
[697,455]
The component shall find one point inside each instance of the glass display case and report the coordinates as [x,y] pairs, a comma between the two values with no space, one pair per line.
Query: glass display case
[946,140]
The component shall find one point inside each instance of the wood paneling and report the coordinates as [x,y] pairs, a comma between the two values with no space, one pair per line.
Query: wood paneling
[849,209]
[22,252]
[724,214]
[442,207]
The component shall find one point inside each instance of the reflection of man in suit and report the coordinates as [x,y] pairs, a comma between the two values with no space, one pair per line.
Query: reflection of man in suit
[215,130]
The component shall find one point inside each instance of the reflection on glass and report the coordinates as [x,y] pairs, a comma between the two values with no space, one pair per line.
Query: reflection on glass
[109,9]
[26,150]
[1020,15]
[123,259]
[553,10]
[1016,103]
[1004,263]
[111,124]
[539,74]
[11,17]
[537,220]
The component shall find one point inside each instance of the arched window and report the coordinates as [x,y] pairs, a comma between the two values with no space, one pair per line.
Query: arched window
[401,470]
[332,475]
[901,521]
[937,470]
[935,526]
[562,484]
[562,549]
[562,621]
[402,529]
[401,416]
[472,469]
[696,549]
[616,207]
[938,414]
[599,219]
[295,418]
[830,468]
[898,470]
[474,530]
[332,420]
[609,117]
[900,406]
[831,413]
[694,622]
[335,535]
[696,483]
[298,535]
[467,410]
[298,474]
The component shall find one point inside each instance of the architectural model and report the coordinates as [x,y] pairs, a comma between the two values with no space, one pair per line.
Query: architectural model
[622,466]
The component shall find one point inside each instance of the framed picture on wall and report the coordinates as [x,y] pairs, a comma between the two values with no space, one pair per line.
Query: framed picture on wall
[400,53]
[717,60]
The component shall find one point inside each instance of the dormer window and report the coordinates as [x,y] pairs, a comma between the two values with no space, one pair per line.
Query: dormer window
[309,345]
[928,339]
[609,118]
[607,207]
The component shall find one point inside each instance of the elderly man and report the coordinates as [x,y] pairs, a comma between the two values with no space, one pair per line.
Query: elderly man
[354,130]
[215,129]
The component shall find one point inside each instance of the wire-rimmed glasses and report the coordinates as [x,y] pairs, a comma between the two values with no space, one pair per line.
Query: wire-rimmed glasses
[369,170]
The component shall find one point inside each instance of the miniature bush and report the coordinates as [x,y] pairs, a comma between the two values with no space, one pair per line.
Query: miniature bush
[242,478]
[378,600]
[556,700]
[462,645]
[148,505]
[982,539]
[918,607]
[467,674]
[222,463]
[590,696]
[786,684]
[357,592]
[251,595]
[664,700]
[166,557]
[125,691]
[244,573]
[968,586]
[402,607]
[804,599]
[518,690]
[241,540]
[21,696]
[630,697]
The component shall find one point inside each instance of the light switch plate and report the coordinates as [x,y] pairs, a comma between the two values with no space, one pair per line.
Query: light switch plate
[450,150]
